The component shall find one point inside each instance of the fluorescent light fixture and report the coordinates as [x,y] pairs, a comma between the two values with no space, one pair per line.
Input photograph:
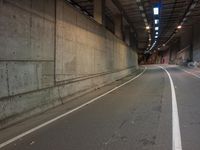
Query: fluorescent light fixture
[156,28]
[156,11]
[156,33]
[147,27]
[179,27]
[156,21]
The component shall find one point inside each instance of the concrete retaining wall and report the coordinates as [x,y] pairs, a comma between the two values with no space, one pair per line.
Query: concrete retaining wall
[50,51]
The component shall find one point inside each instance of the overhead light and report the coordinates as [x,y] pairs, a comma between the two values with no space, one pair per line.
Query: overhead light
[156,21]
[156,28]
[163,45]
[156,33]
[179,27]
[147,27]
[156,36]
[156,11]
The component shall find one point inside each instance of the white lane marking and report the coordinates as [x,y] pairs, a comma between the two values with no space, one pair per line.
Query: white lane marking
[176,134]
[190,73]
[65,114]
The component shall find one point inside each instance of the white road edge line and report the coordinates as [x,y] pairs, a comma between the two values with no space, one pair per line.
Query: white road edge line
[176,134]
[65,114]
[190,73]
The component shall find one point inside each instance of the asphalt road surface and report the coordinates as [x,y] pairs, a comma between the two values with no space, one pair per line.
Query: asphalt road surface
[136,116]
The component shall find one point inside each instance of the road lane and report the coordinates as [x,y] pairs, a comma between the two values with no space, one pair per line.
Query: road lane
[176,135]
[136,116]
[66,113]
[188,99]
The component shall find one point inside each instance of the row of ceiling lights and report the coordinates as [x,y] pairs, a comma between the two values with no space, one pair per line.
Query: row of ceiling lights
[156,22]
[156,11]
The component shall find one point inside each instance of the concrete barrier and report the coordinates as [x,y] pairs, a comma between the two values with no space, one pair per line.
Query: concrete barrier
[51,53]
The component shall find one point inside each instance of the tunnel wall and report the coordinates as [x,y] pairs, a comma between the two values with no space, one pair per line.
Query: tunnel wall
[174,47]
[51,53]
[184,53]
[196,42]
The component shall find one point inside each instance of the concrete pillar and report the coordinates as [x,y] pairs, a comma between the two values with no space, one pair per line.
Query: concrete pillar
[133,40]
[127,35]
[99,6]
[118,25]
[173,49]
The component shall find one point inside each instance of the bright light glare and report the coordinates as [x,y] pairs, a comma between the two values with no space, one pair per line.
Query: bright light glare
[155,10]
[147,27]
[156,28]
[156,21]
[179,27]
[156,33]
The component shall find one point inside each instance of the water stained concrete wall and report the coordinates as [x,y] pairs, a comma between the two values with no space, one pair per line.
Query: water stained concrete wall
[51,53]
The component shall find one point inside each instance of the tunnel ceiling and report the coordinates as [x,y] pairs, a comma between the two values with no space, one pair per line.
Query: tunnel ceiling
[171,14]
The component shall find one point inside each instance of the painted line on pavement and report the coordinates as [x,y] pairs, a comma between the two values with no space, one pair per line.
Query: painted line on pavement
[176,134]
[67,113]
[190,73]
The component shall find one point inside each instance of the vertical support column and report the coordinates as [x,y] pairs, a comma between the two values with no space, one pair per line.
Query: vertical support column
[99,6]
[133,41]
[118,25]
